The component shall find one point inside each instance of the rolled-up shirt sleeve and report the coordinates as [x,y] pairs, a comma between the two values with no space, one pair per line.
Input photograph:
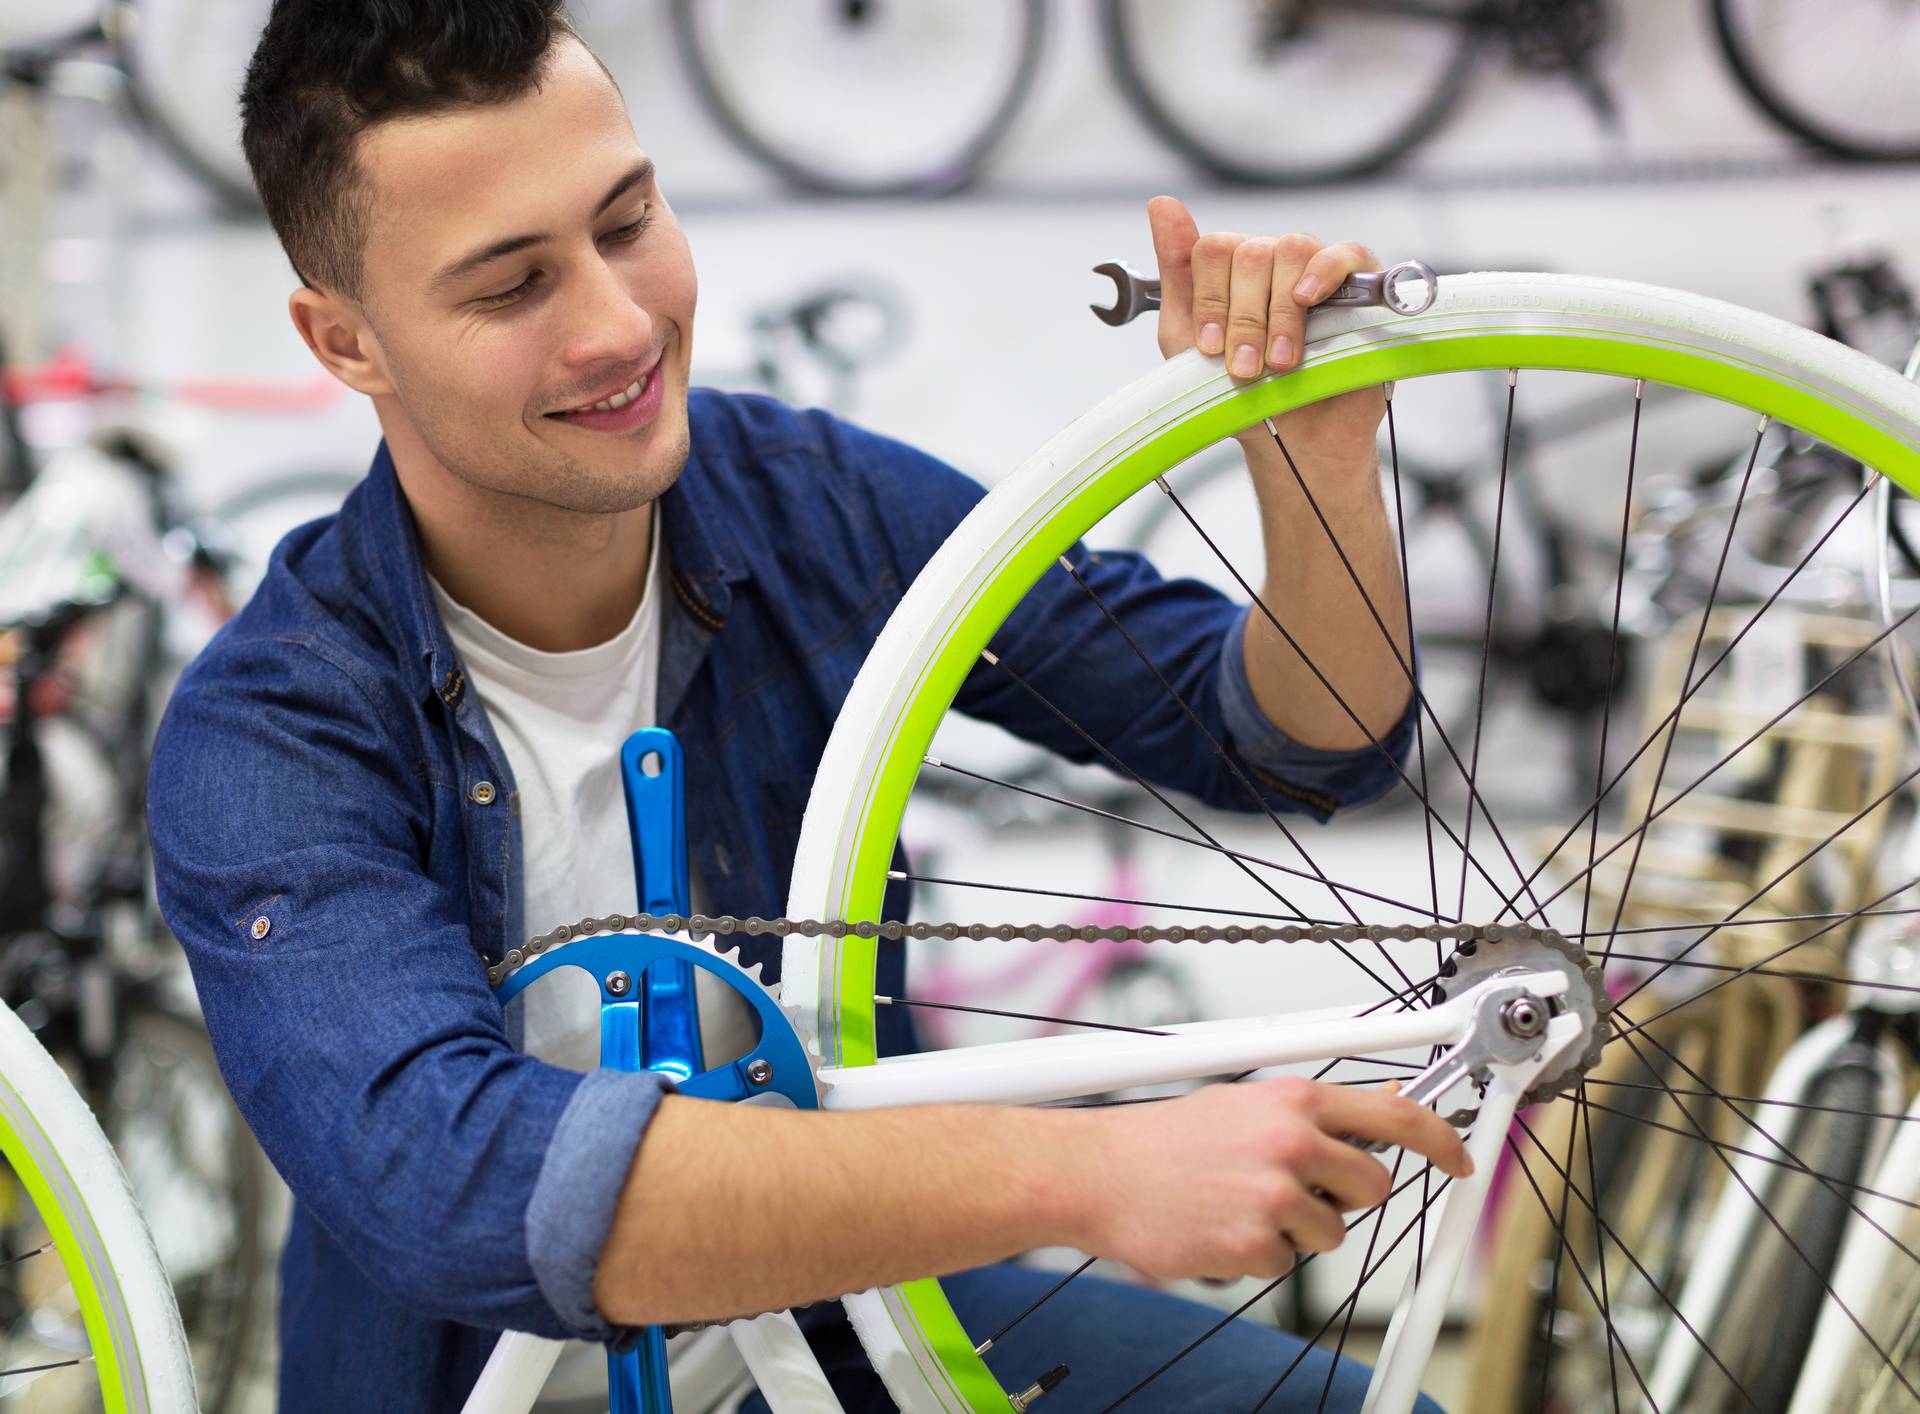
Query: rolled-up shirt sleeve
[1116,653]
[350,1009]
[571,1208]
[1322,781]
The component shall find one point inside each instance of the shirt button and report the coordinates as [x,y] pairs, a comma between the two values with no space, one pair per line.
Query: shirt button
[261,927]
[482,793]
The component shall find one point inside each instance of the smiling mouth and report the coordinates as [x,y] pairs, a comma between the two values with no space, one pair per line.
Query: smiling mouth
[618,400]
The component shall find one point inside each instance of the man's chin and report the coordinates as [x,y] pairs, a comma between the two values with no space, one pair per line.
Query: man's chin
[636,482]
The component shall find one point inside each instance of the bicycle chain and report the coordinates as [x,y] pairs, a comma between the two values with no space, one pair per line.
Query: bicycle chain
[1467,937]
[727,925]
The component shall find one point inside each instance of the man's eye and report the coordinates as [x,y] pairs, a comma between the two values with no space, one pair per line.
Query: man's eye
[508,296]
[627,233]
[505,297]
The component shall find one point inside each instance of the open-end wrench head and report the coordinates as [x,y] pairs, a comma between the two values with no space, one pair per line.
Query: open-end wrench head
[1134,294]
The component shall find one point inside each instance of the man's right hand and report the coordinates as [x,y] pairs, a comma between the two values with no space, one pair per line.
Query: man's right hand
[1234,1180]
[736,1208]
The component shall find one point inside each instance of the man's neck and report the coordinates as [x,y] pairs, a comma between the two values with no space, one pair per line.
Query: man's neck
[553,579]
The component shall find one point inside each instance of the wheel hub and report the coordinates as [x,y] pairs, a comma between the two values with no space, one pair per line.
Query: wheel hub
[1496,950]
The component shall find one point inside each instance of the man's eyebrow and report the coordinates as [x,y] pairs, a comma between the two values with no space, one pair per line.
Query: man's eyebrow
[639,175]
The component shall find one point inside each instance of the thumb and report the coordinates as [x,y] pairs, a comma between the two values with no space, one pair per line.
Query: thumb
[1174,234]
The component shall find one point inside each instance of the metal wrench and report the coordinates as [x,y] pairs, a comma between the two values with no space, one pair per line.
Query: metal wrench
[1507,1026]
[1135,294]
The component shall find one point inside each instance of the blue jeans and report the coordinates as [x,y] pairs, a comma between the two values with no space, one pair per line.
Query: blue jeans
[1112,1335]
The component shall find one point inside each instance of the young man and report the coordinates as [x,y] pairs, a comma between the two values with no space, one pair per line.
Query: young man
[400,757]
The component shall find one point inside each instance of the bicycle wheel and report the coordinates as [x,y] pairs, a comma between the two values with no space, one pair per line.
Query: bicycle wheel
[1544,1349]
[919,93]
[1547,328]
[90,1321]
[185,61]
[1838,78]
[1443,540]
[1229,84]
[203,1183]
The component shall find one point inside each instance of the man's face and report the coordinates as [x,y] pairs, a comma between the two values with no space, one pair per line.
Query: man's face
[521,265]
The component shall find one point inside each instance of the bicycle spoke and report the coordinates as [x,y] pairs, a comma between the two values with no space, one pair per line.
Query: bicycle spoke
[902,875]
[1613,657]
[984,1346]
[1605,1230]
[1639,832]
[1585,1117]
[1563,1248]
[1898,1117]
[1346,1325]
[1673,714]
[1566,1245]
[42,1369]
[1164,833]
[41,1250]
[1766,1212]
[1249,1304]
[1420,746]
[1226,759]
[1406,668]
[1693,661]
[1792,974]
[1709,990]
[1419,718]
[1727,1147]
[879,1000]
[1682,925]
[1486,644]
[1374,741]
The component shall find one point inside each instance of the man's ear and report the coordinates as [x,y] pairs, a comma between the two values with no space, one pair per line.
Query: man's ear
[341,339]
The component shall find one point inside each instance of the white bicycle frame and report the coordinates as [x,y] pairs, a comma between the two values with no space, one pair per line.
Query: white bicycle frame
[1071,1067]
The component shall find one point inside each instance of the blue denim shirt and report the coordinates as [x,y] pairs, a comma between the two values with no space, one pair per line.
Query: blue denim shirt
[339,878]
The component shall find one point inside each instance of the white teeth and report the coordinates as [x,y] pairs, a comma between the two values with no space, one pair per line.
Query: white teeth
[620,399]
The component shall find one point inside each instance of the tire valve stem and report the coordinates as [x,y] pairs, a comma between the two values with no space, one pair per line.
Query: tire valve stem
[1024,1400]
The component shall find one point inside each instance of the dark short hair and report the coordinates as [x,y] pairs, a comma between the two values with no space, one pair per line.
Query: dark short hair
[325,71]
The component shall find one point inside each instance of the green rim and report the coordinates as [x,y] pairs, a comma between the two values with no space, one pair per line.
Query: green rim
[846,1002]
[45,1177]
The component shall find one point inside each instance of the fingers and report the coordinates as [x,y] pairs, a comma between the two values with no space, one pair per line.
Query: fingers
[1350,1179]
[1312,1224]
[1328,268]
[1212,285]
[1174,233]
[1250,294]
[1250,302]
[1379,1115]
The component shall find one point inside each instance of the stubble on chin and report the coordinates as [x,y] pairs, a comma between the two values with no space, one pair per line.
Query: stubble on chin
[554,480]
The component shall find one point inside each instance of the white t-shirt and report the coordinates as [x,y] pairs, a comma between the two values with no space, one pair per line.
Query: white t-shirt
[560,719]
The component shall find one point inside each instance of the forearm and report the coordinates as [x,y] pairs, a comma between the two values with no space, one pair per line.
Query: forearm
[1311,591]
[731,1209]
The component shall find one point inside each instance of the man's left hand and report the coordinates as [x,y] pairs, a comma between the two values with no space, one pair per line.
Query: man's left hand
[1247,297]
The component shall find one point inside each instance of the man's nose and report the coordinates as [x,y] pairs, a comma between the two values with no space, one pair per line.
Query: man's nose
[607,325]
